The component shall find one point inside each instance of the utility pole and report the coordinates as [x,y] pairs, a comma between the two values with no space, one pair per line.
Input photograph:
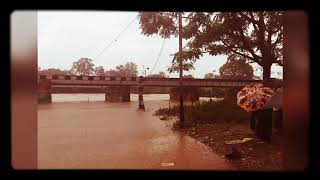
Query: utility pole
[181,72]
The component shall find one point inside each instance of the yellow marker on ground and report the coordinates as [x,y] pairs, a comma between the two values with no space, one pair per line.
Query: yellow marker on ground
[239,141]
[167,164]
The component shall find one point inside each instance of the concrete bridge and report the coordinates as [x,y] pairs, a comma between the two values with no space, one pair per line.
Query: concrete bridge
[118,88]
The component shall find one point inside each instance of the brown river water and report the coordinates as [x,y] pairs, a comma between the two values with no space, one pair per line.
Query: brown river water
[81,131]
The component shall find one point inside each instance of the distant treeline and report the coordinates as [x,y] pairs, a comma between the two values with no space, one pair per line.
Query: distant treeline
[85,66]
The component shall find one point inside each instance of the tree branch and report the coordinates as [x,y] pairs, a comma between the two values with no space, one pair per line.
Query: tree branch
[251,19]
[261,21]
[269,36]
[169,14]
[261,38]
[254,24]
[277,29]
[244,55]
[245,45]
[278,39]
[279,62]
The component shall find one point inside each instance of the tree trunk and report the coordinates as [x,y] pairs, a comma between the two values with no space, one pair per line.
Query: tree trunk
[266,72]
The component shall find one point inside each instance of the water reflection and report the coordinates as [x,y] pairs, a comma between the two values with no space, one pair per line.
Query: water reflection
[100,97]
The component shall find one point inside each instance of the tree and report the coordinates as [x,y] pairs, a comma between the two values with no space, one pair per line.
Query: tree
[188,76]
[99,71]
[161,74]
[211,76]
[111,72]
[256,36]
[236,68]
[54,71]
[83,66]
[130,69]
[67,72]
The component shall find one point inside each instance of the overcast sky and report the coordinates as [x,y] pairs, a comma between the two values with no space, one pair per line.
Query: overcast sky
[67,36]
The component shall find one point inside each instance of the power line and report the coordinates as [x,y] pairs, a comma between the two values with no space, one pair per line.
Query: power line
[158,56]
[115,39]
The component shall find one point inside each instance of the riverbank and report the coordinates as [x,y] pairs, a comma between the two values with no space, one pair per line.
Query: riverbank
[221,121]
[256,155]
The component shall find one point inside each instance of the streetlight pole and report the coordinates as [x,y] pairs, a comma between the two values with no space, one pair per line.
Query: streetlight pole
[144,71]
[181,72]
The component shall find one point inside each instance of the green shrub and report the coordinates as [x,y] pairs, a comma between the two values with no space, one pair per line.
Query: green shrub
[173,111]
[164,118]
[208,112]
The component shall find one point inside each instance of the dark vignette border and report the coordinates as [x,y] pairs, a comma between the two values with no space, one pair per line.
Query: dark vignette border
[159,6]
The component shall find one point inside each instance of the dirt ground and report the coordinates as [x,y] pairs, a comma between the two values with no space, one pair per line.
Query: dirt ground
[256,155]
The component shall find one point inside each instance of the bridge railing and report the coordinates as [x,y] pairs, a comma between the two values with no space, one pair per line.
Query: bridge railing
[120,78]
[144,81]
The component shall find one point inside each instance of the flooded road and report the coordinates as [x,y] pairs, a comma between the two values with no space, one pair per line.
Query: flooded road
[99,135]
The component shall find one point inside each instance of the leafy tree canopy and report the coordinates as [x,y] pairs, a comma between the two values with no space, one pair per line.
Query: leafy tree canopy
[236,68]
[99,71]
[129,69]
[256,36]
[83,66]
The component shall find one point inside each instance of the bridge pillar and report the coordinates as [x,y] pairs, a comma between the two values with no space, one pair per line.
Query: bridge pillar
[140,91]
[189,94]
[141,103]
[118,94]
[125,93]
[44,91]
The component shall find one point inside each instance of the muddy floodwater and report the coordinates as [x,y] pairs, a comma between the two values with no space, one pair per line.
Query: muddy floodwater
[80,131]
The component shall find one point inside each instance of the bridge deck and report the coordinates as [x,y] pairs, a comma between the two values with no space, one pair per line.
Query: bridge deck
[64,81]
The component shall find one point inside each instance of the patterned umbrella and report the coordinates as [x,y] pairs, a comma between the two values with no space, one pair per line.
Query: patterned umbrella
[253,97]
